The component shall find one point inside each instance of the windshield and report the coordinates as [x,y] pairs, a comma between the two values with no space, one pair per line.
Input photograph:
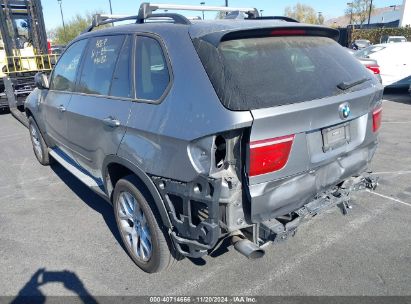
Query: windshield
[264,72]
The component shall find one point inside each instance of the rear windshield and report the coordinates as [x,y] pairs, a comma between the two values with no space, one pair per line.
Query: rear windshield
[257,73]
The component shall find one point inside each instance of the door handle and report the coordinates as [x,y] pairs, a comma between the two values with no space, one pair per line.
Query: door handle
[111,122]
[62,108]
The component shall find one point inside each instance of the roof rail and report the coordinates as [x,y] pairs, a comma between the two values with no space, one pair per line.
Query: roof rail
[146,12]
[101,19]
[283,18]
[146,9]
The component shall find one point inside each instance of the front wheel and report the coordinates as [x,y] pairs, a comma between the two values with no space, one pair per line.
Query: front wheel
[39,145]
[140,226]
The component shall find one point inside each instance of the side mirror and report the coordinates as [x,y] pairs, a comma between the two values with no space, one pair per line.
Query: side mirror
[41,81]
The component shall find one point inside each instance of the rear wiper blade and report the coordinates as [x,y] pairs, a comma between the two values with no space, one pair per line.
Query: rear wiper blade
[346,85]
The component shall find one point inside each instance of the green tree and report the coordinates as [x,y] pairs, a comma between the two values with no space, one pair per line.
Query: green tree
[73,28]
[359,9]
[302,12]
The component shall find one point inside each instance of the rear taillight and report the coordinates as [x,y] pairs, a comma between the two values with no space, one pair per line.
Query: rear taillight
[376,119]
[375,68]
[269,155]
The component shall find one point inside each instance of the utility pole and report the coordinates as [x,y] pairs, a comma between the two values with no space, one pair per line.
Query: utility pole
[62,19]
[350,4]
[369,14]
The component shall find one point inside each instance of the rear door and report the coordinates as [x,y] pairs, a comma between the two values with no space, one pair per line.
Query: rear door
[100,107]
[58,97]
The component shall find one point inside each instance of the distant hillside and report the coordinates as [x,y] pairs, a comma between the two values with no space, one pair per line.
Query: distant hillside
[343,21]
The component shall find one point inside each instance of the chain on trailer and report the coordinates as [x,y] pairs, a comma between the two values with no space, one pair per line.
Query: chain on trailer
[23,52]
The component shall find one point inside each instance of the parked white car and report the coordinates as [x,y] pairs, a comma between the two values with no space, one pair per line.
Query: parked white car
[392,39]
[394,60]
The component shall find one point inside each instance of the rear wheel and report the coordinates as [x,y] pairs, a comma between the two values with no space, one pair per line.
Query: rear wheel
[39,145]
[140,226]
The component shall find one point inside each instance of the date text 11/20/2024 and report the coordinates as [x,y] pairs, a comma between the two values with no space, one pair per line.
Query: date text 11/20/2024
[203,299]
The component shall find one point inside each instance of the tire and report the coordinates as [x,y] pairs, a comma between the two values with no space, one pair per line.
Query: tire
[136,224]
[39,145]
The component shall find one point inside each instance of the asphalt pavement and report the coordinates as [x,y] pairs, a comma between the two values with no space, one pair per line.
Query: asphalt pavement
[59,238]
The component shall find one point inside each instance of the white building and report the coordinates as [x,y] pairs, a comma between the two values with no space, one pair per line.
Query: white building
[405,19]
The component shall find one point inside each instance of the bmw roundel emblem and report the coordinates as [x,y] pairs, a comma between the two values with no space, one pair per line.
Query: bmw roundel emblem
[344,110]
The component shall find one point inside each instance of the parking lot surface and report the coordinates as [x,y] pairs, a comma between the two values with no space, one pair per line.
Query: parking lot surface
[59,238]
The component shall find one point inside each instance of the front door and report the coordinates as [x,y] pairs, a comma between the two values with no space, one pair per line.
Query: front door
[58,97]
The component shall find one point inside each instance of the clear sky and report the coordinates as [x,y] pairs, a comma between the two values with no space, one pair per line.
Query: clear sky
[51,11]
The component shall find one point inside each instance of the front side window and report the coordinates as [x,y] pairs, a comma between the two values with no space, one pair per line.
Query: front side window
[99,62]
[64,73]
[152,75]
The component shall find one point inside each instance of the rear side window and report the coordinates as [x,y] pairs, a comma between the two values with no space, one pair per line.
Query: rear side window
[99,63]
[257,73]
[152,75]
[64,74]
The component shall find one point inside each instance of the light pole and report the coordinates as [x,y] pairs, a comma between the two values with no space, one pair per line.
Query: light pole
[394,6]
[261,12]
[62,18]
[226,2]
[320,18]
[369,14]
[350,4]
[202,3]
[111,9]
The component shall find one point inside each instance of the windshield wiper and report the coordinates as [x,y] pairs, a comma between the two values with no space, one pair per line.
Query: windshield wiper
[347,85]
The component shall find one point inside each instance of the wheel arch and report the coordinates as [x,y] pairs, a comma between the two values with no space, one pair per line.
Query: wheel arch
[115,167]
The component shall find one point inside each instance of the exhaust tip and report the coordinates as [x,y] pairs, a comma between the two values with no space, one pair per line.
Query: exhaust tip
[248,249]
[256,254]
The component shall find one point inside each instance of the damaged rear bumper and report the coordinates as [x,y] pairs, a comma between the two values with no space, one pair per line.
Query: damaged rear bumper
[274,231]
[275,198]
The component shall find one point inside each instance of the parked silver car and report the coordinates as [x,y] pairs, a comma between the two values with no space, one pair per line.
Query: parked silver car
[199,131]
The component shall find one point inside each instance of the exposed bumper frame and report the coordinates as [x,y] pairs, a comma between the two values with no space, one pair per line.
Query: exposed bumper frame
[275,231]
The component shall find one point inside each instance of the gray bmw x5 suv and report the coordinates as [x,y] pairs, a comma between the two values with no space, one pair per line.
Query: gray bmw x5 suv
[199,131]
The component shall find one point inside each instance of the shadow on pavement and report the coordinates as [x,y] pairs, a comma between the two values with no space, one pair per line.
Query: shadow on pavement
[31,293]
[92,199]
[397,95]
[97,203]
[4,111]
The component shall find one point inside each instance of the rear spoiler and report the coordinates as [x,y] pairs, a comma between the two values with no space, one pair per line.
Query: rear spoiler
[318,31]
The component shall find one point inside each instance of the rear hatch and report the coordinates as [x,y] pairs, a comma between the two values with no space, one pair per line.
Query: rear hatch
[311,101]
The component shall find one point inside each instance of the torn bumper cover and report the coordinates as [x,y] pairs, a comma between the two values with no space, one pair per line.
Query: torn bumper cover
[279,197]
